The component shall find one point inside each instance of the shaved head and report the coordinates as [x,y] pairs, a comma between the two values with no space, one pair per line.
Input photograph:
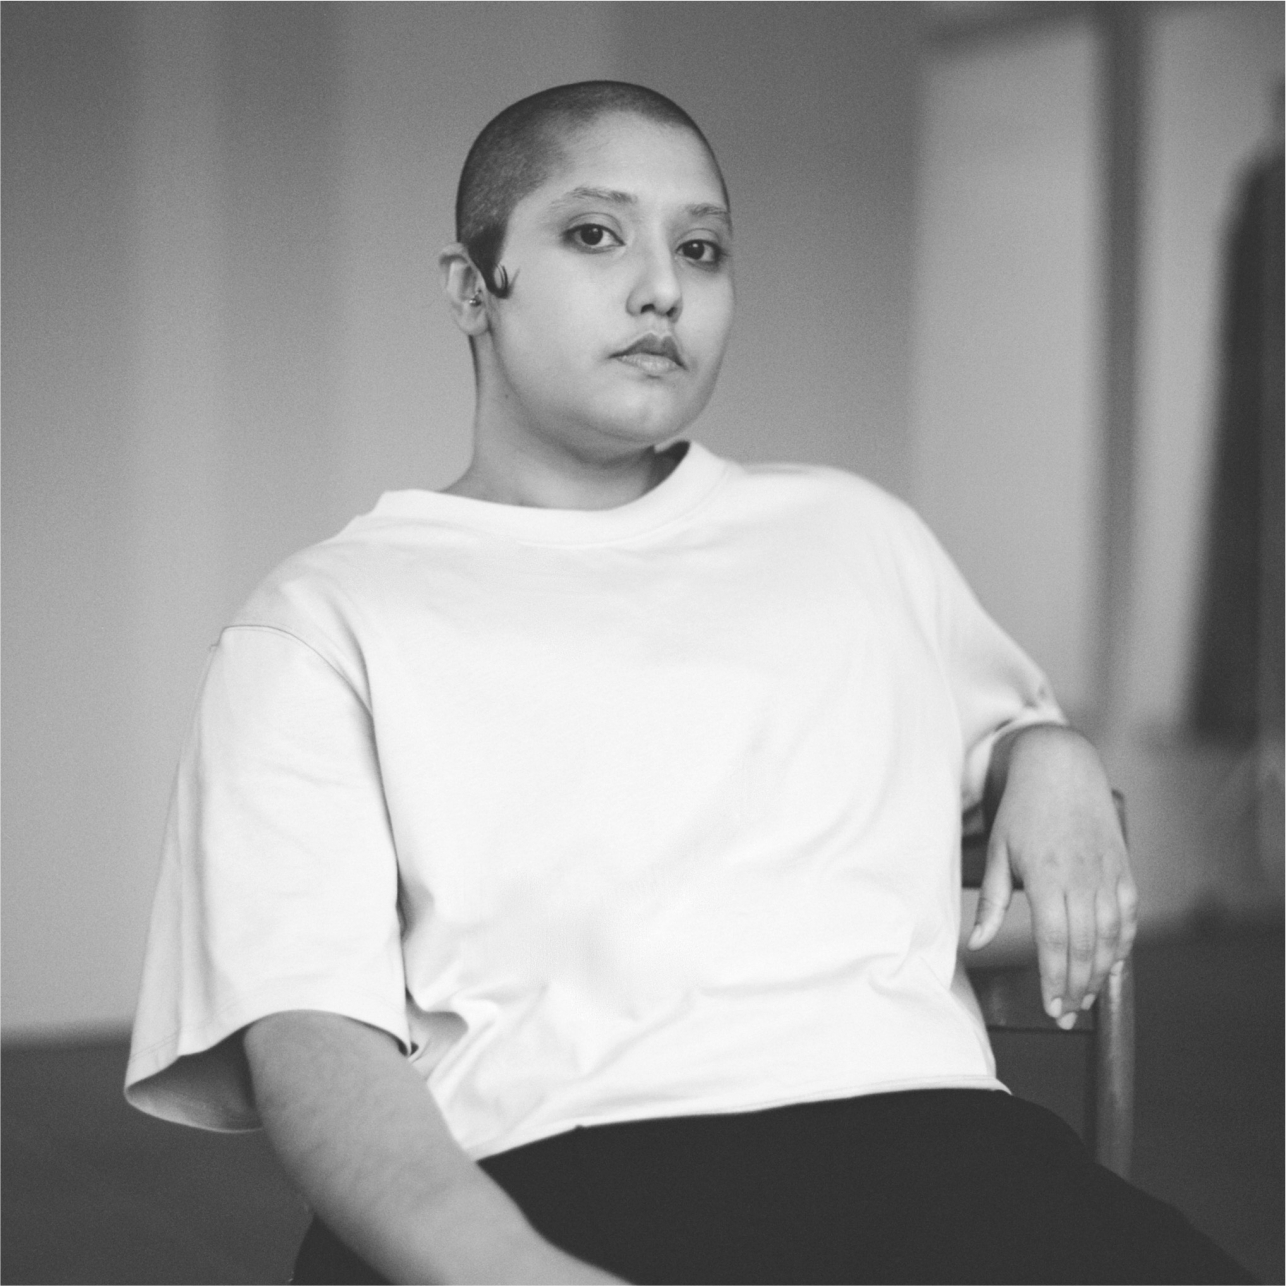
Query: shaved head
[516,152]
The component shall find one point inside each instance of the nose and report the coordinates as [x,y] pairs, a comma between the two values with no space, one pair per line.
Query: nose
[657,288]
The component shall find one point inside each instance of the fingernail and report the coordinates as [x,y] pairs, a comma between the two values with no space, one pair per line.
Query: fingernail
[1118,969]
[976,935]
[1067,1021]
[1087,1002]
[1055,1008]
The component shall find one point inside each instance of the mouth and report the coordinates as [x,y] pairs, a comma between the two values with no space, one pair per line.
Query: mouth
[654,354]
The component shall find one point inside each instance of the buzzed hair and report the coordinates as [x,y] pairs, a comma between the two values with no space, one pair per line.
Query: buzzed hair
[515,151]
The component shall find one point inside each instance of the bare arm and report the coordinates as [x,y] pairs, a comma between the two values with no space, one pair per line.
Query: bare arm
[351,1123]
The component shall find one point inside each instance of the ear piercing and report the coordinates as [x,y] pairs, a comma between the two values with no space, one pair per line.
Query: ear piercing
[475,298]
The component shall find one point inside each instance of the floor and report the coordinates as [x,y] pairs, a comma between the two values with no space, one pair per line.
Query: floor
[95,1192]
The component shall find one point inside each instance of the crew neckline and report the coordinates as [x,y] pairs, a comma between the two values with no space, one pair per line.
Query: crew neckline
[697,473]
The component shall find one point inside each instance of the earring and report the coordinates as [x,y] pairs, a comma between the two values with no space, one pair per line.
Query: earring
[475,298]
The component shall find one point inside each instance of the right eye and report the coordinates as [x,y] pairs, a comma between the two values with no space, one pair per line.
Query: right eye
[592,236]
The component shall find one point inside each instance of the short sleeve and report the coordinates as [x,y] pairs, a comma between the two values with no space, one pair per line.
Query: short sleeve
[996,686]
[278,886]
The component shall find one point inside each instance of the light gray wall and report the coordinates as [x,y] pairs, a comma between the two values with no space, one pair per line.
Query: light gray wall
[1008,453]
[812,109]
[1207,817]
[72,783]
[1214,85]
[223,338]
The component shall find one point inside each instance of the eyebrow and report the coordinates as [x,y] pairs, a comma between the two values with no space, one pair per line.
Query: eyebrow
[611,196]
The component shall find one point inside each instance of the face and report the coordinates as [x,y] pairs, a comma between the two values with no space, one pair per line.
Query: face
[622,292]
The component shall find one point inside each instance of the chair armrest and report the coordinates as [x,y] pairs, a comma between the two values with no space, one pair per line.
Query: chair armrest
[973,860]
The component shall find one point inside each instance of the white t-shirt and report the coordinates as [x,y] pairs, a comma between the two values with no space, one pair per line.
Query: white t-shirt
[604,815]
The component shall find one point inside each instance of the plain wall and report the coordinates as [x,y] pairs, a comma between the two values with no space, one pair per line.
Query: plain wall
[1207,816]
[73,886]
[1214,97]
[812,110]
[1008,454]
[224,338]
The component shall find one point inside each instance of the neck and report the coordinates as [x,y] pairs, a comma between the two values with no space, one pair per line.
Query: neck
[541,477]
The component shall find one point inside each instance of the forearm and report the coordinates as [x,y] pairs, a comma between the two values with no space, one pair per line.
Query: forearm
[354,1127]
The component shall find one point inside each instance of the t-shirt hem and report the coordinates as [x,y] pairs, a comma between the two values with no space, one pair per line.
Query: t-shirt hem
[723,1106]
[171,1099]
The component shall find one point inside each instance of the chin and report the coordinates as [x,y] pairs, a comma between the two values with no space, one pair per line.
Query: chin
[649,425]
[650,433]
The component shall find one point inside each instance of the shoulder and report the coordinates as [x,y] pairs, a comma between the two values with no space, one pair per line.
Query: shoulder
[831,494]
[833,518]
[332,596]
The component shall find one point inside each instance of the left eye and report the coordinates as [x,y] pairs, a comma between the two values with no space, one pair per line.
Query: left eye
[705,252]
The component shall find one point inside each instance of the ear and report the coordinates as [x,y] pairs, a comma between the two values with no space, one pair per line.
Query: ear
[465,290]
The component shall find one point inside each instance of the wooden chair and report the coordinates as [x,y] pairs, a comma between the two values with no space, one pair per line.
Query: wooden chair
[1011,1002]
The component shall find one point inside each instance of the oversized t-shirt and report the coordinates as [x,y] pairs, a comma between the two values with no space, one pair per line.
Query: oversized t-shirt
[602,814]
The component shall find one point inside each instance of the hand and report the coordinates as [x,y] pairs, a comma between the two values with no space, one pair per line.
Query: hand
[1056,827]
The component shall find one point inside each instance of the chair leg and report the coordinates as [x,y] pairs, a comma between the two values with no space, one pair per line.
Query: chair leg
[1112,1106]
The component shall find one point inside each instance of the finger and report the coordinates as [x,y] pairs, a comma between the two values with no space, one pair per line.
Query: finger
[1082,934]
[1127,899]
[1049,923]
[1108,920]
[994,896]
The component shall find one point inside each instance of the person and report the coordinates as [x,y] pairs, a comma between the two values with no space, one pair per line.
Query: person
[563,868]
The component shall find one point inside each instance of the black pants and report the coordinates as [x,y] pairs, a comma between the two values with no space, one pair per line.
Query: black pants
[926,1186]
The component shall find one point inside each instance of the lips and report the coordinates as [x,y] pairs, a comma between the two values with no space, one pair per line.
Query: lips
[652,353]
